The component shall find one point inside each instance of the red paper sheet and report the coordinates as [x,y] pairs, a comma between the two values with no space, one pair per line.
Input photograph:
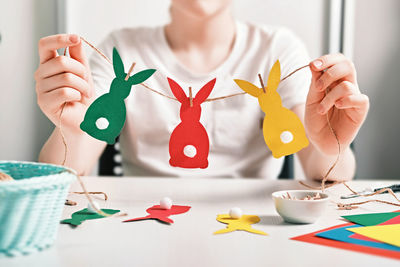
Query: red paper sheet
[311,238]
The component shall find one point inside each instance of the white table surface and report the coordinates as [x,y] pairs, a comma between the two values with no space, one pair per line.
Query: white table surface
[190,240]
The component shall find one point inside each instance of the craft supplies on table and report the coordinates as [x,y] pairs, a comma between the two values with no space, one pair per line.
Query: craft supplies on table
[372,233]
[191,234]
[367,191]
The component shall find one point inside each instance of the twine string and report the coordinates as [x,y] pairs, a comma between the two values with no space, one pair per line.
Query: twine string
[96,49]
[319,187]
[325,178]
[354,205]
[157,92]
[92,193]
[82,184]
[85,192]
[173,98]
[62,135]
[293,72]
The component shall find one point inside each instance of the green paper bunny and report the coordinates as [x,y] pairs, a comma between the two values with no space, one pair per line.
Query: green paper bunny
[106,116]
[83,215]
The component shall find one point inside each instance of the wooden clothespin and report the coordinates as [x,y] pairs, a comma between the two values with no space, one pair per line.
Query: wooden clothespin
[130,71]
[261,81]
[190,97]
[70,202]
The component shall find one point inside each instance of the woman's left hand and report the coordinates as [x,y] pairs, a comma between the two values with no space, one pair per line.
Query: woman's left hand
[334,91]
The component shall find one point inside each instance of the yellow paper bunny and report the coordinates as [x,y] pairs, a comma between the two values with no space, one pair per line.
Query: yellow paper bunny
[283,131]
[242,224]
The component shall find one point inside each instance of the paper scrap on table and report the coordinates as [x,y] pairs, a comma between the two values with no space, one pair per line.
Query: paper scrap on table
[312,238]
[343,234]
[157,213]
[370,219]
[389,234]
[395,220]
[284,132]
[105,117]
[242,224]
[80,216]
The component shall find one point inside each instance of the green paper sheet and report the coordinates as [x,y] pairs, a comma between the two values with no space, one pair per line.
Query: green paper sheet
[80,216]
[371,219]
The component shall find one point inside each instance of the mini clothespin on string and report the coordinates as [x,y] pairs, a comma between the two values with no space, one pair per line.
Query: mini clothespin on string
[261,82]
[130,71]
[190,96]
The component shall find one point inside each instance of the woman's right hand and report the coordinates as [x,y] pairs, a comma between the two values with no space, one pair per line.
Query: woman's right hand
[61,79]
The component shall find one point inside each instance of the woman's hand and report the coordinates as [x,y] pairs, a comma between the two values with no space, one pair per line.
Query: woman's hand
[60,79]
[334,92]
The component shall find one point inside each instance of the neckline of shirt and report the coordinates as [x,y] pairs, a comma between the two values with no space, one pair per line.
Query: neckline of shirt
[176,67]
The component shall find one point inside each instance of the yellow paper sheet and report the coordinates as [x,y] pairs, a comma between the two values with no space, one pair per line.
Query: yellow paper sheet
[244,224]
[389,234]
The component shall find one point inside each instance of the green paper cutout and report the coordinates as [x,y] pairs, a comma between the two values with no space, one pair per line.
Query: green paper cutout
[371,219]
[110,107]
[141,76]
[118,65]
[80,216]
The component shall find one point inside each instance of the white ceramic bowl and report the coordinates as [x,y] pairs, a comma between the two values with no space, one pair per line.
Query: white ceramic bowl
[300,211]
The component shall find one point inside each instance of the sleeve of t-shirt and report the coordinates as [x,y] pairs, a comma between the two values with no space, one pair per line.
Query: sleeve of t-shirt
[292,54]
[102,70]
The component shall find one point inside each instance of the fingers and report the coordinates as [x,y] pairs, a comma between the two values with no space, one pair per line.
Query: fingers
[48,45]
[78,53]
[64,80]
[61,64]
[315,75]
[342,70]
[340,91]
[326,61]
[314,96]
[53,100]
[353,101]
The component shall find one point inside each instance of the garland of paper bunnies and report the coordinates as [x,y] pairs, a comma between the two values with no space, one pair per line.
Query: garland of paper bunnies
[189,145]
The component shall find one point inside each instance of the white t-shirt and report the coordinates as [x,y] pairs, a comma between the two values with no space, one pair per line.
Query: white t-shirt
[234,125]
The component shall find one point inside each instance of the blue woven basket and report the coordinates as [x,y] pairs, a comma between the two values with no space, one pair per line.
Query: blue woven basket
[31,206]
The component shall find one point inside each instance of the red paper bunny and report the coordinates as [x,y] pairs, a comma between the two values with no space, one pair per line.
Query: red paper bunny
[189,145]
[157,213]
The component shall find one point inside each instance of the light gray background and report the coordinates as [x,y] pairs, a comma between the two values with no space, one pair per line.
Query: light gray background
[23,128]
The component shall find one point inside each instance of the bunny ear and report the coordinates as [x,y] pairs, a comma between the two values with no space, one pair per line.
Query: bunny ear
[117,64]
[274,76]
[177,90]
[141,76]
[204,92]
[249,88]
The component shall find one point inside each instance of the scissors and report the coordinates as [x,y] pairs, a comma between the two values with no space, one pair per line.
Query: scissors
[367,191]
